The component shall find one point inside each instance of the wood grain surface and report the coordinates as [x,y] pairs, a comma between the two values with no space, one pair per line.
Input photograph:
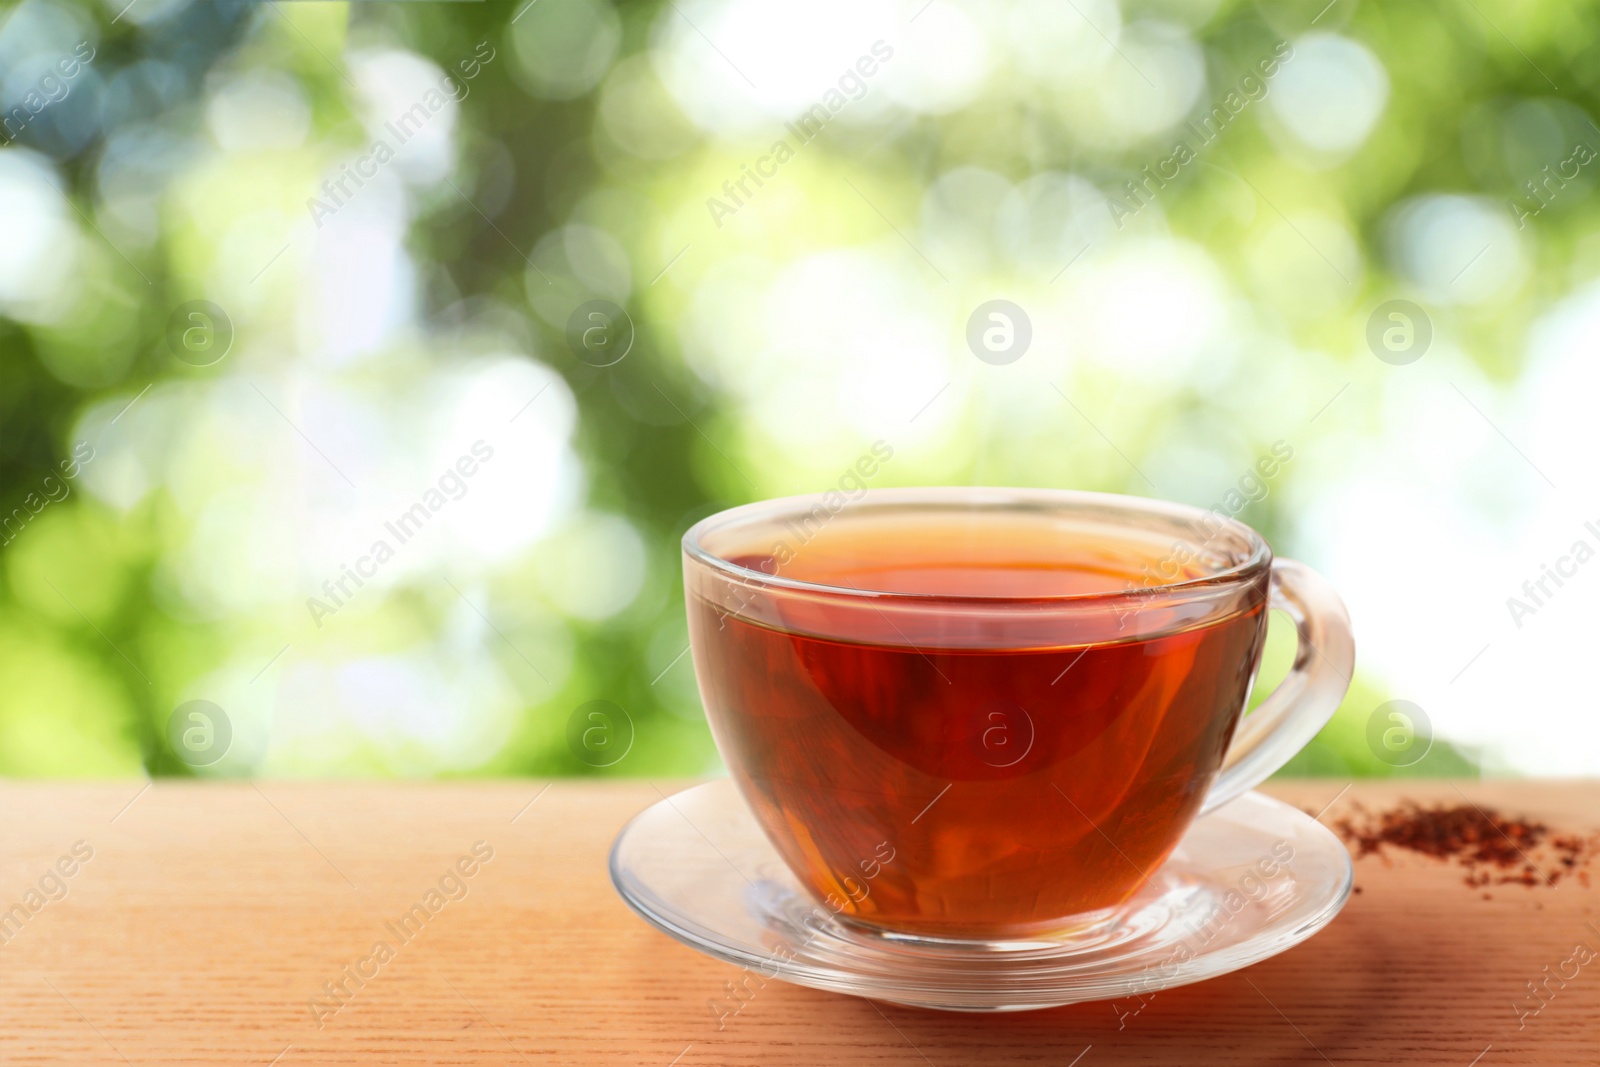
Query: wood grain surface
[210,916]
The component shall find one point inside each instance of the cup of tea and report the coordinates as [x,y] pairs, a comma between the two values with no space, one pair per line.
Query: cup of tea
[985,715]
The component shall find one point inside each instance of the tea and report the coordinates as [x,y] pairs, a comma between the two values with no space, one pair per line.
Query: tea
[924,770]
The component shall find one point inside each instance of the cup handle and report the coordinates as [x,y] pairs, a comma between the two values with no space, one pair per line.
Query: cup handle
[1306,699]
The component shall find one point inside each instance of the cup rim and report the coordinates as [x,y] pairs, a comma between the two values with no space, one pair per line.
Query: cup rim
[1258,559]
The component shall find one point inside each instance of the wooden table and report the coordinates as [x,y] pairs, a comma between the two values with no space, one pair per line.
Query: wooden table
[210,915]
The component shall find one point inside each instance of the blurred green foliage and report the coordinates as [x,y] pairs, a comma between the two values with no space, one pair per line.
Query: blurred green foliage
[102,637]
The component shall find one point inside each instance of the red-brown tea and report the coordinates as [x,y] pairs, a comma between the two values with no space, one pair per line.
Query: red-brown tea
[922,779]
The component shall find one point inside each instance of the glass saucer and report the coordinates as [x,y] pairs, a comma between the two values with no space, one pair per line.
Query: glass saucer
[698,867]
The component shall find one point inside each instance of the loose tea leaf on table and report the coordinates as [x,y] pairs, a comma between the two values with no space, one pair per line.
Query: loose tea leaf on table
[1493,847]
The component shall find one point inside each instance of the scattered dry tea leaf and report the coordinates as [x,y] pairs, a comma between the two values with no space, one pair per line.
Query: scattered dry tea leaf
[1494,848]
